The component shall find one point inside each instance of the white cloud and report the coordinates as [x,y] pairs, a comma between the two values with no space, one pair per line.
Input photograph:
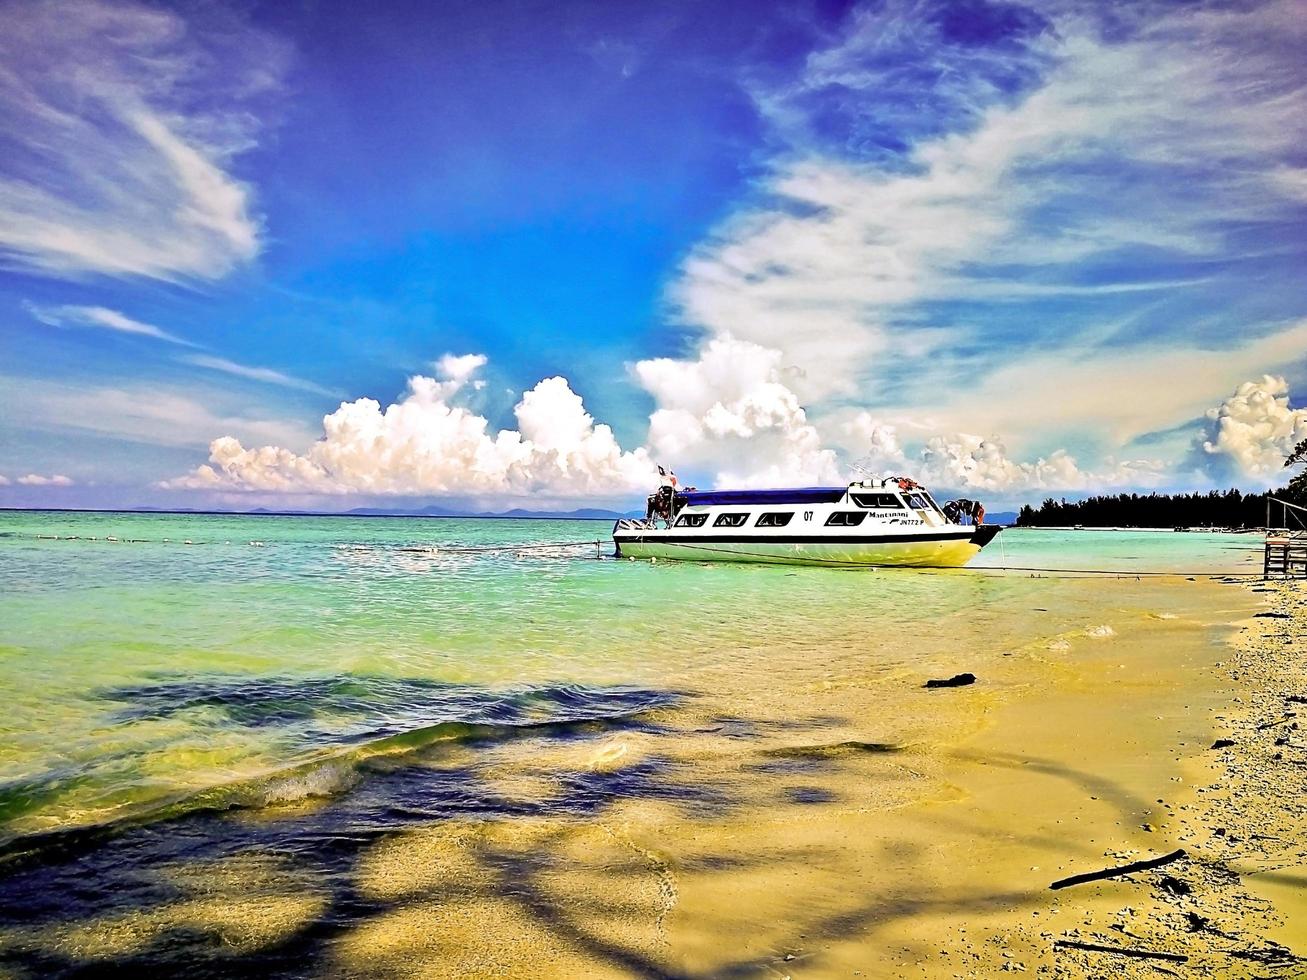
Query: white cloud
[1040,397]
[267,375]
[36,480]
[123,121]
[963,461]
[4,481]
[146,414]
[100,317]
[460,367]
[1250,434]
[1172,128]
[730,411]
[423,444]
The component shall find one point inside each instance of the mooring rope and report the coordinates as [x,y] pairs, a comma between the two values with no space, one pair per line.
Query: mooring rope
[488,549]
[432,549]
[709,552]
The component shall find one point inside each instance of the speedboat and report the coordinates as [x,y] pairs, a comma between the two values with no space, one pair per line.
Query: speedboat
[893,521]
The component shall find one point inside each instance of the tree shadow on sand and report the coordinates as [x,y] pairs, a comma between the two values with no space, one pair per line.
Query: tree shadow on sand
[477,855]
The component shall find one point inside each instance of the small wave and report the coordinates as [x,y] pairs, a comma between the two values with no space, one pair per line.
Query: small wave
[574,710]
[316,782]
[1102,632]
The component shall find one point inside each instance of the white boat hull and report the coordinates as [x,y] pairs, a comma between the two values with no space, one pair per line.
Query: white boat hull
[925,551]
[892,522]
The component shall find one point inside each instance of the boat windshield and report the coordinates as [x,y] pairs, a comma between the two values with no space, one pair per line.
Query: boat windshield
[878,501]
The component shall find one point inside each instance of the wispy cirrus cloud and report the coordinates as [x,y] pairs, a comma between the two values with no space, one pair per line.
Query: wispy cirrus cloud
[141,413]
[266,375]
[1178,130]
[121,123]
[103,318]
[1062,160]
[100,317]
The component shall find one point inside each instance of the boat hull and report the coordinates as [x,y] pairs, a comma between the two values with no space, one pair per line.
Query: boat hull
[921,551]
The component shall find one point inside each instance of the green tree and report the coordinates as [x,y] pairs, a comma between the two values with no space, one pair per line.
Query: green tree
[1297,489]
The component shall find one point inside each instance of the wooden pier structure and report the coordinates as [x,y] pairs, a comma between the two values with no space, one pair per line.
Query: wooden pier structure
[1285,556]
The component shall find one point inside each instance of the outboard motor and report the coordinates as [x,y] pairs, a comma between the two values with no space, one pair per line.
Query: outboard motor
[964,511]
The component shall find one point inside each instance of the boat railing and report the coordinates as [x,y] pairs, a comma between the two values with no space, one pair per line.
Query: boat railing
[635,524]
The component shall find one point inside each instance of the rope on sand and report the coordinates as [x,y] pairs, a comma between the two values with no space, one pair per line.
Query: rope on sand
[1121,572]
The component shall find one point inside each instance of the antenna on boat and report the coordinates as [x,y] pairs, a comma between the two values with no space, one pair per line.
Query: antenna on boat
[862,467]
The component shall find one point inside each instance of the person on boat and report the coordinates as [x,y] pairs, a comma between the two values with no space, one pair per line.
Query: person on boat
[661,502]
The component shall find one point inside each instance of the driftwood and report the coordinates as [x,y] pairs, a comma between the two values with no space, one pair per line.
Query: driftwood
[831,748]
[1289,716]
[957,680]
[1124,869]
[1148,954]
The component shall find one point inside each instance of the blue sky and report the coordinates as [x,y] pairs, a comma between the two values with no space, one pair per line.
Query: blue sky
[505,254]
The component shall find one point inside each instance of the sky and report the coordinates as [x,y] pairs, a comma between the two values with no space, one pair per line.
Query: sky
[319,255]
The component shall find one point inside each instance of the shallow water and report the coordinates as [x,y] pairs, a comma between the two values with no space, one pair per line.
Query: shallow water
[304,688]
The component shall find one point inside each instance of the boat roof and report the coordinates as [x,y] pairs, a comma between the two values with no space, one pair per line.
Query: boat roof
[787,495]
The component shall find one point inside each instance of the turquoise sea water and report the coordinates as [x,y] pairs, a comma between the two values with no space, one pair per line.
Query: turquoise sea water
[276,660]
[138,667]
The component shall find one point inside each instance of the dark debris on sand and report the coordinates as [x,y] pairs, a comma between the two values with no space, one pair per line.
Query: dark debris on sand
[1250,820]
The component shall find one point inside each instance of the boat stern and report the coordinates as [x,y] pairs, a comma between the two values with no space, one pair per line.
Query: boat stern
[985,533]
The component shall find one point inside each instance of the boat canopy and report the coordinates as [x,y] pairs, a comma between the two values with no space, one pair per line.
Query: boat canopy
[792,495]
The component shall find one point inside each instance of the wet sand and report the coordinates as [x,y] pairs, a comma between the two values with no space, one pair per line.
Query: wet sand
[913,850]
[841,820]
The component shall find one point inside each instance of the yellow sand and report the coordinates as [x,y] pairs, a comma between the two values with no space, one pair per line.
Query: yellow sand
[1075,753]
[822,818]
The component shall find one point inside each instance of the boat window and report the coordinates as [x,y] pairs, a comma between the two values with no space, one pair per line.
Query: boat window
[882,501]
[845,518]
[778,519]
[730,520]
[691,520]
[917,502]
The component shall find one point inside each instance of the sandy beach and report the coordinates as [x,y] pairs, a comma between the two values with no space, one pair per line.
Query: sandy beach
[790,799]
[916,858]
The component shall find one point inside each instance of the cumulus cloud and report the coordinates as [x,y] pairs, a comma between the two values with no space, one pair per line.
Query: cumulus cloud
[729,411]
[963,461]
[459,368]
[122,122]
[1250,434]
[36,480]
[425,444]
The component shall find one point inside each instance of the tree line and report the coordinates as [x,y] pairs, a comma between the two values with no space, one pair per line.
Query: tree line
[1231,508]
